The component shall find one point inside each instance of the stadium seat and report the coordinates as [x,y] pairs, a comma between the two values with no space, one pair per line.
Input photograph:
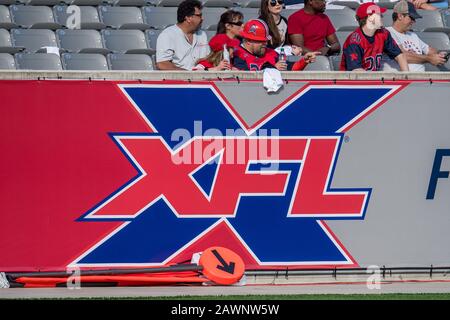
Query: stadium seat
[89,17]
[120,61]
[437,40]
[210,34]
[431,22]
[33,17]
[342,19]
[5,18]
[152,36]
[168,3]
[335,61]
[6,44]
[84,61]
[122,17]
[211,17]
[342,36]
[38,61]
[81,41]
[41,2]
[133,3]
[446,17]
[321,64]
[350,4]
[387,18]
[388,4]
[7,62]
[159,17]
[33,40]
[249,13]
[218,3]
[87,2]
[126,41]
[251,3]
[7,2]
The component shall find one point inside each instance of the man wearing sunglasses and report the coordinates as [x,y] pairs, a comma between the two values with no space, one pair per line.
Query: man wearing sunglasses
[416,51]
[312,30]
[180,46]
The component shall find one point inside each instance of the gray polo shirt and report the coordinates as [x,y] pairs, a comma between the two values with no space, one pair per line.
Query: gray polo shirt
[173,45]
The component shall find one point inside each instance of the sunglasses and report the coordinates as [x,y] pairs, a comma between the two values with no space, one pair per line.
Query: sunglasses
[273,3]
[239,23]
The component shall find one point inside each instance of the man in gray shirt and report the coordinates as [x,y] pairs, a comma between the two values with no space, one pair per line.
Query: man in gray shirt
[180,46]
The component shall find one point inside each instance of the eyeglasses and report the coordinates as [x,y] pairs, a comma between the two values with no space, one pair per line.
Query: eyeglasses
[198,15]
[273,3]
[239,23]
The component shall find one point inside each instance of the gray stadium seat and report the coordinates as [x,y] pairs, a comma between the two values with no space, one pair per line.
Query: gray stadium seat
[87,2]
[350,4]
[89,17]
[343,19]
[431,21]
[342,36]
[335,61]
[6,44]
[32,39]
[122,17]
[84,61]
[168,3]
[126,41]
[387,4]
[41,2]
[437,40]
[5,18]
[387,18]
[210,34]
[159,17]
[251,3]
[249,13]
[321,64]
[7,62]
[218,3]
[211,17]
[38,61]
[7,2]
[132,3]
[81,41]
[152,36]
[121,61]
[446,17]
[34,17]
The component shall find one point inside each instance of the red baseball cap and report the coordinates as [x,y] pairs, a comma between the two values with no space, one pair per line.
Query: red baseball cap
[367,9]
[219,40]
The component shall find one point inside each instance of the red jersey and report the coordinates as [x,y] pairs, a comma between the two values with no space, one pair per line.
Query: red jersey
[244,60]
[314,28]
[361,51]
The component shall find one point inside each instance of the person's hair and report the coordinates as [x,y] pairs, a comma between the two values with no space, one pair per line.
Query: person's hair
[362,22]
[228,17]
[268,18]
[214,57]
[187,8]
[394,16]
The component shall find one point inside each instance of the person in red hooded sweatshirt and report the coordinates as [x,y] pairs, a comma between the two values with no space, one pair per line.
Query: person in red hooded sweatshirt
[253,53]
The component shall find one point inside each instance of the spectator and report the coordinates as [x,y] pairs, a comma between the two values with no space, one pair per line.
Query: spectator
[216,60]
[254,55]
[416,51]
[270,12]
[312,30]
[230,23]
[365,46]
[179,46]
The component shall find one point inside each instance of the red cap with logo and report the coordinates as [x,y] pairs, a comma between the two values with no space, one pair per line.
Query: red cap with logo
[367,9]
[219,40]
[256,30]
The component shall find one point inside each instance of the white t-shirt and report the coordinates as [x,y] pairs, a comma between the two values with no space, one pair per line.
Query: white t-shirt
[172,45]
[411,42]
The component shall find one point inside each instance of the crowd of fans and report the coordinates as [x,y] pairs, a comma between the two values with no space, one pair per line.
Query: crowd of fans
[268,41]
